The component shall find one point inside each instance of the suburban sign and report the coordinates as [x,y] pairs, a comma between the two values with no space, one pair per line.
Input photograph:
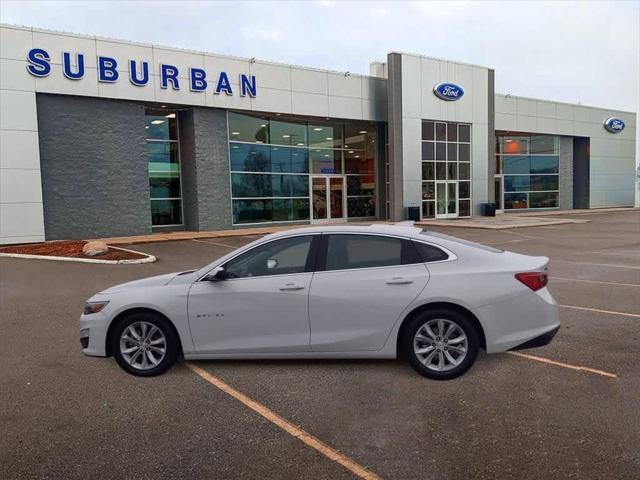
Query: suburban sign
[73,68]
[448,91]
[614,125]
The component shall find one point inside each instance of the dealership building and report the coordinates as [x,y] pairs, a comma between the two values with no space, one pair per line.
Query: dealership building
[104,138]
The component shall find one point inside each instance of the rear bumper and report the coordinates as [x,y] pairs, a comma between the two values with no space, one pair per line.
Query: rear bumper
[539,341]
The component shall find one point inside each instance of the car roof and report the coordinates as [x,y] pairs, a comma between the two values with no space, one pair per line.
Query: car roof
[405,229]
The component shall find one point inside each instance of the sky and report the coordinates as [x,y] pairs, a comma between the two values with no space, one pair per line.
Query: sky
[582,52]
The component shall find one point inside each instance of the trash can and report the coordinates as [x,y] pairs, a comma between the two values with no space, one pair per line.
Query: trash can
[413,213]
[488,209]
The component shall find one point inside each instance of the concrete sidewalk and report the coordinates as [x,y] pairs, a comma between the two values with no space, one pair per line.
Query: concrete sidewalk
[499,222]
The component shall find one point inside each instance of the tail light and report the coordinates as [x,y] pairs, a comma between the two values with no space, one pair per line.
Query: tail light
[533,280]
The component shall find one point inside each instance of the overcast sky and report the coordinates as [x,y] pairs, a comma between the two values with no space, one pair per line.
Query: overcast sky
[587,52]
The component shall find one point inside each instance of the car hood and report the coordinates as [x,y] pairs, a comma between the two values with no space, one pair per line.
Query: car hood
[157,281]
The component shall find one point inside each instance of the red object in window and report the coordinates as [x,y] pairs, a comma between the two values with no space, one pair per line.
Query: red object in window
[533,280]
[512,147]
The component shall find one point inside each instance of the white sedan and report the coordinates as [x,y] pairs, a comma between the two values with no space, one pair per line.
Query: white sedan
[331,292]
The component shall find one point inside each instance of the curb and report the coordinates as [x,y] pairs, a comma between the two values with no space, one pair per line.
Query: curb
[503,227]
[133,261]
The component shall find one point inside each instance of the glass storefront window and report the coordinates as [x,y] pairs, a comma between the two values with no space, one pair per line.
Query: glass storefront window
[163,157]
[247,128]
[288,133]
[530,165]
[446,158]
[264,150]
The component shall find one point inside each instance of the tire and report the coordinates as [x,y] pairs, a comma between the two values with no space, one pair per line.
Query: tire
[427,349]
[136,355]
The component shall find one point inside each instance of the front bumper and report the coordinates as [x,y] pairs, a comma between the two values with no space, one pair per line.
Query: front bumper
[539,341]
[93,334]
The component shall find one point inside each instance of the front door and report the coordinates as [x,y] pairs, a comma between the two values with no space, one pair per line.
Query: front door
[447,199]
[328,199]
[261,305]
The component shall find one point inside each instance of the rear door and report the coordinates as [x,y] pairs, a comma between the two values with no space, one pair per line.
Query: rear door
[361,286]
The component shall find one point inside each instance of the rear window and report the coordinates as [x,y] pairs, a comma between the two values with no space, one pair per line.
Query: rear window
[429,253]
[349,251]
[460,241]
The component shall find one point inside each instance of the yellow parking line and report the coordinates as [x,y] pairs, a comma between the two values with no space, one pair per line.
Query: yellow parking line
[596,281]
[635,315]
[285,425]
[564,365]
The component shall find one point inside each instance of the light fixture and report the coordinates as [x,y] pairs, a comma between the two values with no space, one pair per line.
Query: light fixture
[346,146]
[350,151]
[326,154]
[254,153]
[357,156]
[362,131]
[317,129]
[329,138]
[146,126]
[235,133]
[157,122]
[259,141]
[235,146]
[301,144]
[263,125]
[286,136]
[163,106]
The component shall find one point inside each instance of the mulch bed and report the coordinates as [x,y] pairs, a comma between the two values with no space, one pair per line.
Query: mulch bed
[68,248]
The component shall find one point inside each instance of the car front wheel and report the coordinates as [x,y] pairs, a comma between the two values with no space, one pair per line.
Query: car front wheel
[144,344]
[441,344]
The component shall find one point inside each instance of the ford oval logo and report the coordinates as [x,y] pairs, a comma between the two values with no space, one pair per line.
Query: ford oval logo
[614,125]
[448,91]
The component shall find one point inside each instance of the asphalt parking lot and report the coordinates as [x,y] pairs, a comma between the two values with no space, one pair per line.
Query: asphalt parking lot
[64,415]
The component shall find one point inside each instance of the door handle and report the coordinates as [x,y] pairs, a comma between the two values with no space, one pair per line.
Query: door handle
[292,286]
[399,281]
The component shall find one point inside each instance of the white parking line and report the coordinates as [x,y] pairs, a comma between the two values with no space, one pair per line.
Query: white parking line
[635,315]
[597,264]
[564,365]
[596,281]
[296,432]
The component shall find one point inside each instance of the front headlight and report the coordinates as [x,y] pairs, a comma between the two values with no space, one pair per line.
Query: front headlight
[94,307]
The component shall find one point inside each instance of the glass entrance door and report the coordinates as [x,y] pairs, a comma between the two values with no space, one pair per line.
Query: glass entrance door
[446,199]
[328,198]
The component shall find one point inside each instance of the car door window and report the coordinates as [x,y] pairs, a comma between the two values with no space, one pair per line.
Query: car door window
[367,251]
[279,257]
[429,253]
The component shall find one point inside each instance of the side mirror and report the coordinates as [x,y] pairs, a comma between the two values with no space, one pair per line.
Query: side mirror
[216,275]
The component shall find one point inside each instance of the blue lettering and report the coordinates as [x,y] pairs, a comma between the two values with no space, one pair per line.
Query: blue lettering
[198,82]
[67,66]
[247,85]
[223,84]
[39,65]
[133,73]
[169,72]
[107,69]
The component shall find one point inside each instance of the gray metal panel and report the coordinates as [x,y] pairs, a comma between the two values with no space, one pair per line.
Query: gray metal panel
[188,169]
[394,98]
[95,175]
[491,135]
[566,173]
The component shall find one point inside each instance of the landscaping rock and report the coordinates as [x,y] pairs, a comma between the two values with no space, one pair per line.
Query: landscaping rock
[94,248]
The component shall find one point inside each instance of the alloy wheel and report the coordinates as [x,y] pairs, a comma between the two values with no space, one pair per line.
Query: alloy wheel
[440,344]
[143,345]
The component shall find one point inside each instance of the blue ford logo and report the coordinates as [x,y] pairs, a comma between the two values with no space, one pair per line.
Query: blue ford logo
[448,91]
[614,125]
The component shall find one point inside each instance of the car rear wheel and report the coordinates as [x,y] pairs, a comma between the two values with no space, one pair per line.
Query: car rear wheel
[441,344]
[144,344]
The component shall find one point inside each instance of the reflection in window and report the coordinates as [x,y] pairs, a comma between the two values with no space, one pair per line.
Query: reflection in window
[530,165]
[161,129]
[446,156]
[264,148]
